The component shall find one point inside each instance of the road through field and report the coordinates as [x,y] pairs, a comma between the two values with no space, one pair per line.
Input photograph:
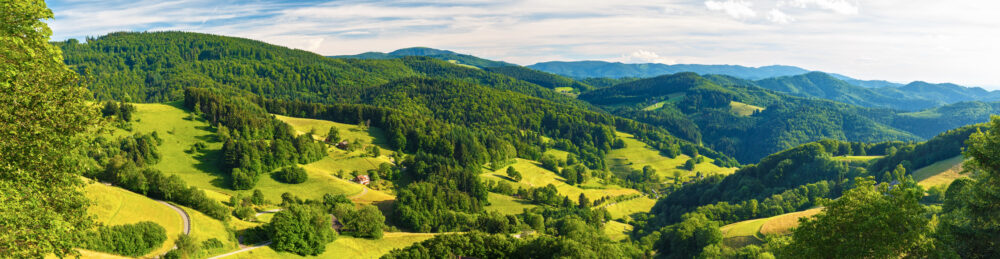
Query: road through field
[184,215]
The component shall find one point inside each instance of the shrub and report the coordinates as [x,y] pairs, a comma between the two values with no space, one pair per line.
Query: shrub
[302,230]
[292,174]
[129,240]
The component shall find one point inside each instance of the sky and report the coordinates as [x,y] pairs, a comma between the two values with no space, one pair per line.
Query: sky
[936,41]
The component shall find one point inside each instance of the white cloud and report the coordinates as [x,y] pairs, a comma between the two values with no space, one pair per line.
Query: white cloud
[736,8]
[837,6]
[645,56]
[777,16]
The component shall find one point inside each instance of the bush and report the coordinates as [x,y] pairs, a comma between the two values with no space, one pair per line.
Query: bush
[302,230]
[212,243]
[244,179]
[292,174]
[129,240]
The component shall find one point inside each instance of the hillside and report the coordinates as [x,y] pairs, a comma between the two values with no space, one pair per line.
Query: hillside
[702,109]
[445,55]
[589,69]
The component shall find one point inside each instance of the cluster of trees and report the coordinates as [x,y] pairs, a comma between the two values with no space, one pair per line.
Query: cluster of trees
[129,240]
[913,156]
[291,174]
[121,111]
[188,247]
[255,142]
[125,164]
[301,229]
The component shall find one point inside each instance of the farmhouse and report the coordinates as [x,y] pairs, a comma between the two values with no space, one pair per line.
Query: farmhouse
[343,145]
[362,179]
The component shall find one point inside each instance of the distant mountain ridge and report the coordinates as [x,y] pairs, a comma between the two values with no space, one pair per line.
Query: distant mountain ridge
[588,69]
[910,97]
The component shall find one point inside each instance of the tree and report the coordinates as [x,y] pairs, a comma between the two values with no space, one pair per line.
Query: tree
[688,238]
[969,222]
[513,174]
[677,177]
[292,174]
[870,221]
[689,165]
[584,201]
[367,222]
[333,136]
[44,120]
[301,229]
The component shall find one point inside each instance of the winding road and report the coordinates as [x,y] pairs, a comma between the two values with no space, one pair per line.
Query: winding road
[241,250]
[364,190]
[184,216]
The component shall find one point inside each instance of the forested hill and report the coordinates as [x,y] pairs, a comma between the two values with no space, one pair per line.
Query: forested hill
[433,53]
[589,69]
[157,66]
[732,116]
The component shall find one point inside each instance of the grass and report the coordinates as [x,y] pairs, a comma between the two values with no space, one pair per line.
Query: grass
[617,231]
[940,173]
[748,232]
[204,228]
[349,247]
[743,109]
[637,155]
[783,224]
[856,158]
[533,175]
[115,206]
[629,207]
[743,228]
[201,169]
[654,106]
[564,89]
[506,204]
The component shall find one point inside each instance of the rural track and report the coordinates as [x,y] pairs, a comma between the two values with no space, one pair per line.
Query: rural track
[266,212]
[184,216]
[241,250]
[364,190]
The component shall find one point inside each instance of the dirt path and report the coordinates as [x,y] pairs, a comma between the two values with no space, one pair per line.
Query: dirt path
[266,212]
[184,215]
[364,190]
[241,250]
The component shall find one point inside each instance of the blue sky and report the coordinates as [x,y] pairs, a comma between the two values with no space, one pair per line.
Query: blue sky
[899,40]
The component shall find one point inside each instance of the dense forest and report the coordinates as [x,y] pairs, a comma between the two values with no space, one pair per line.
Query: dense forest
[703,109]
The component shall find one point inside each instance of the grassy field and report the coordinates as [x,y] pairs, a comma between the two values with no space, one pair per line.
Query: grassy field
[629,207]
[743,109]
[204,228]
[940,173]
[783,224]
[115,206]
[637,155]
[506,204]
[616,230]
[857,158]
[536,176]
[349,247]
[654,106]
[201,170]
[749,232]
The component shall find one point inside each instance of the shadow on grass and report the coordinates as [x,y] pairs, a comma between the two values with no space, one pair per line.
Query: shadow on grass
[209,161]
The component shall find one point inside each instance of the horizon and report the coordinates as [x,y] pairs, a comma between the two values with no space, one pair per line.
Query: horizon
[889,41]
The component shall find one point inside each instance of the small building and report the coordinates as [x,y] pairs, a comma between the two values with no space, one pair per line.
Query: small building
[343,145]
[362,179]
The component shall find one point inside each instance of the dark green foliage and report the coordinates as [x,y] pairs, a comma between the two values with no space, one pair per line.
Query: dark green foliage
[211,243]
[366,222]
[969,222]
[931,122]
[915,156]
[292,174]
[688,238]
[187,246]
[585,69]
[513,174]
[129,240]
[301,229]
[122,111]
